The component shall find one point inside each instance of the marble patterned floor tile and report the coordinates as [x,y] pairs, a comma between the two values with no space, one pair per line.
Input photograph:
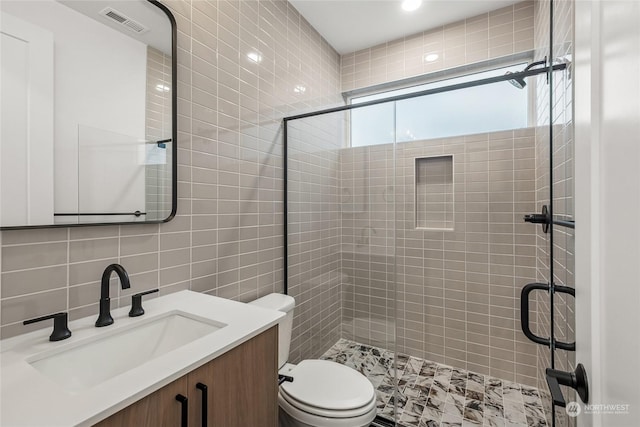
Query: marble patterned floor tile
[454,405]
[474,411]
[470,394]
[494,409]
[412,392]
[428,369]
[493,391]
[475,382]
[414,365]
[428,423]
[435,404]
[511,391]
[493,422]
[412,413]
[535,415]
[530,396]
[458,385]
[424,383]
[341,358]
[401,361]
[430,394]
[514,412]
[443,374]
[450,420]
[431,414]
[439,390]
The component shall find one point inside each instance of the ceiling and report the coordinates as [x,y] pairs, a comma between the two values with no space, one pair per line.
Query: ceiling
[158,33]
[351,25]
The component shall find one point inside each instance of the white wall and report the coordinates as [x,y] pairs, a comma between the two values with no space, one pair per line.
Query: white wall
[96,63]
[26,131]
[607,100]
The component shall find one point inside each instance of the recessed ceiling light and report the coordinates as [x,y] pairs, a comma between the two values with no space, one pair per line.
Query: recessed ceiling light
[411,5]
[254,57]
[430,57]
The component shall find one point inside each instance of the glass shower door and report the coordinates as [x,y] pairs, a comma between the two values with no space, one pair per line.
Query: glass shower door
[340,244]
[407,254]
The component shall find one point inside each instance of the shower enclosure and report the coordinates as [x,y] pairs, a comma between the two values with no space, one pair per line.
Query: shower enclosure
[406,245]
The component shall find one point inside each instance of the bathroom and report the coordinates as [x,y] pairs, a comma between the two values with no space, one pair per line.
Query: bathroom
[360,266]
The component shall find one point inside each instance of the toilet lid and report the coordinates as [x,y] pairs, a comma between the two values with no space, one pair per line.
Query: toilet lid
[328,385]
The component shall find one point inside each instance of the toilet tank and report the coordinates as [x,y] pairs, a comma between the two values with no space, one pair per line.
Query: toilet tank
[284,303]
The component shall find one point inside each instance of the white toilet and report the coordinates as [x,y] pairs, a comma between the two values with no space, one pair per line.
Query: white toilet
[323,393]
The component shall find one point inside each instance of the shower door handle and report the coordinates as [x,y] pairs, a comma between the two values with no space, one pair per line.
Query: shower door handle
[524,311]
[570,346]
[524,314]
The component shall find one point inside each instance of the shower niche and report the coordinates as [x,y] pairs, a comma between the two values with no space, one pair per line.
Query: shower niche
[434,193]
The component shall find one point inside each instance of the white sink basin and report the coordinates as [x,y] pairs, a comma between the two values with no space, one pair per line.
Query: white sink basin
[93,361]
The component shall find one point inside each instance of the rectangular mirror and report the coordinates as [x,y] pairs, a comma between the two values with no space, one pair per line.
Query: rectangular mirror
[88,113]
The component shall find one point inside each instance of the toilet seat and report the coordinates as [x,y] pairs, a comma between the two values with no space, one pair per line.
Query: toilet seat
[304,418]
[329,389]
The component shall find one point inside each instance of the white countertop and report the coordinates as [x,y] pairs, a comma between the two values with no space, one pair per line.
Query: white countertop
[29,398]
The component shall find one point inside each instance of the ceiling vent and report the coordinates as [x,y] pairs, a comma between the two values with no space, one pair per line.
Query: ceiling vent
[120,18]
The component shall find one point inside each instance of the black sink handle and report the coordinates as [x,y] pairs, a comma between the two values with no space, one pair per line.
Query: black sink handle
[60,329]
[136,303]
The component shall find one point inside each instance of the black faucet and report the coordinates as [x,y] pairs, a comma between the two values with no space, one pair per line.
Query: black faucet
[105,319]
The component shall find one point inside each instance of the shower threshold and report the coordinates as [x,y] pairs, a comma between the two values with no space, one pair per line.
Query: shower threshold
[435,395]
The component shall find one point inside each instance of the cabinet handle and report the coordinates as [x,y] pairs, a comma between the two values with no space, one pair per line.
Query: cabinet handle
[184,418]
[205,393]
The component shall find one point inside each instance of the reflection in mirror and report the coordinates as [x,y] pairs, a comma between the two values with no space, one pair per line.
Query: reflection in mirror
[88,120]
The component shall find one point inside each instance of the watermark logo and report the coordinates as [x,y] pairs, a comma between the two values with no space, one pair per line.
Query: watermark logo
[573,409]
[608,409]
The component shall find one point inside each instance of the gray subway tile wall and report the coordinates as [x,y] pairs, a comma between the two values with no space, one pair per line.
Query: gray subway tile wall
[456,290]
[227,236]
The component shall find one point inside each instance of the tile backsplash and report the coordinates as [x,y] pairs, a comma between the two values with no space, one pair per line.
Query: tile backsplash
[226,239]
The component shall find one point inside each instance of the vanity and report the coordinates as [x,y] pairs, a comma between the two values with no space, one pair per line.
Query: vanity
[190,360]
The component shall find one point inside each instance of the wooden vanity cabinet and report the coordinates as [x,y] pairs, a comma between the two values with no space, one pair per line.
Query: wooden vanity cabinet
[160,409]
[240,387]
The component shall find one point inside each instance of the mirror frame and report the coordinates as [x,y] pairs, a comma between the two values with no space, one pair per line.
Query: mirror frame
[174,138]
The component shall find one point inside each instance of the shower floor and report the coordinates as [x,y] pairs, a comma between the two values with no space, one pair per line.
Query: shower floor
[435,395]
